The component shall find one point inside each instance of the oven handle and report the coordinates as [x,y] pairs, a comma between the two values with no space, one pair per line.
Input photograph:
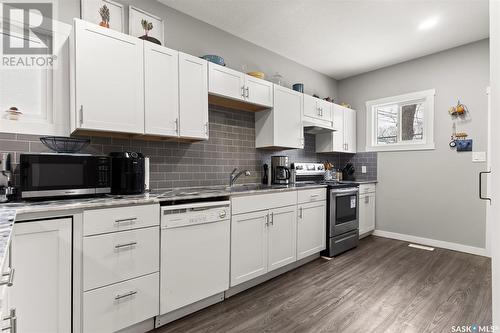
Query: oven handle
[344,192]
[345,238]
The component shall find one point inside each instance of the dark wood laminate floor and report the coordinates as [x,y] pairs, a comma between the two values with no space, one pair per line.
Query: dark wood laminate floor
[382,286]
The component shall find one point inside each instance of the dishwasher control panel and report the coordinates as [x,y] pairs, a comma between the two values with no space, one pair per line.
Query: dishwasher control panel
[192,214]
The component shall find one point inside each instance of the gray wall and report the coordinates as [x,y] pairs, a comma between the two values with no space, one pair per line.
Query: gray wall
[432,194]
[189,35]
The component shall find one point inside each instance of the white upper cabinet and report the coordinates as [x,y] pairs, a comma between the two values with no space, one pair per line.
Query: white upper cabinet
[282,125]
[161,90]
[316,109]
[193,97]
[350,130]
[228,83]
[258,91]
[108,82]
[343,139]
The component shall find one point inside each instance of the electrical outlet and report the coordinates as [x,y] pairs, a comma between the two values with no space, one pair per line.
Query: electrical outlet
[478,156]
[363,169]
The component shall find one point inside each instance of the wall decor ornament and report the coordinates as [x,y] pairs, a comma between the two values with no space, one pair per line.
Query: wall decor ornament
[106,13]
[146,26]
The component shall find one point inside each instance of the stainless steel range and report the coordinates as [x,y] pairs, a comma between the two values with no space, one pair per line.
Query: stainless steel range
[342,225]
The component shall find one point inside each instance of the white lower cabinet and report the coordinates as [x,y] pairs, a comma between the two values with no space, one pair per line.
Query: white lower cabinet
[41,290]
[282,233]
[262,241]
[125,255]
[117,262]
[267,231]
[311,228]
[121,305]
[367,202]
[249,246]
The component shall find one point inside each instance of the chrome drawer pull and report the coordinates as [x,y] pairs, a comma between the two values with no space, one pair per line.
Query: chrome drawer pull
[130,220]
[119,246]
[10,280]
[12,318]
[130,293]
[314,195]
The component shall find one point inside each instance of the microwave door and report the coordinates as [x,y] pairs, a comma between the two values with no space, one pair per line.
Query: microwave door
[53,173]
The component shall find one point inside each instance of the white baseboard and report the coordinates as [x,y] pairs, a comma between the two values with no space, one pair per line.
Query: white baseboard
[432,242]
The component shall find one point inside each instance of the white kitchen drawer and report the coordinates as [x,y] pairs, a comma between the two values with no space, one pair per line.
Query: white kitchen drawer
[119,256]
[120,305]
[311,195]
[105,220]
[367,188]
[256,202]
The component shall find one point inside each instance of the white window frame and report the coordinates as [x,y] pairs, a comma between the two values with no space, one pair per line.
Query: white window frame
[427,143]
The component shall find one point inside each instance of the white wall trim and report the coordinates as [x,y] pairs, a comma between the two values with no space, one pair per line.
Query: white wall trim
[432,242]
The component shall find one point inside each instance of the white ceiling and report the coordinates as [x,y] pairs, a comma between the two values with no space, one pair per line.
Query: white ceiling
[345,38]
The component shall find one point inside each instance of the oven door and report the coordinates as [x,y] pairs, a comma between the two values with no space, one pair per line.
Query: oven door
[57,175]
[343,211]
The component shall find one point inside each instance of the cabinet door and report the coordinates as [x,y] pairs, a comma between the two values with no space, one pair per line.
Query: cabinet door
[282,237]
[161,90]
[325,110]
[370,209]
[41,293]
[288,130]
[338,124]
[226,82]
[109,80]
[350,130]
[193,97]
[311,107]
[311,229]
[258,91]
[366,213]
[248,246]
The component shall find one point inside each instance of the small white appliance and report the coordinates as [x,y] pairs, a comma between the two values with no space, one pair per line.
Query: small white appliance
[195,240]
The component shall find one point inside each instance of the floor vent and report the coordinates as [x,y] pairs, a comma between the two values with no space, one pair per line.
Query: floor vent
[421,247]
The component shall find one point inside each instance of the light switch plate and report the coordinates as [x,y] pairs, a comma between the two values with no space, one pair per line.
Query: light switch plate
[363,169]
[479,156]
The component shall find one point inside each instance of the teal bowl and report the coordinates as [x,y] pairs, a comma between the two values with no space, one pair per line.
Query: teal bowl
[215,59]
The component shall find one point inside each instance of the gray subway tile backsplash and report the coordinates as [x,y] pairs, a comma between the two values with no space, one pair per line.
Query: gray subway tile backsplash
[178,164]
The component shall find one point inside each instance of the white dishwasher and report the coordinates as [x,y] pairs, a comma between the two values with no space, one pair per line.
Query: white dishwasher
[195,242]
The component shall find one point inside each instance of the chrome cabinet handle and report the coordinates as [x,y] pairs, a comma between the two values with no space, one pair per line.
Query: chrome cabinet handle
[81,115]
[10,280]
[206,128]
[177,125]
[119,246]
[301,212]
[222,214]
[130,293]
[243,91]
[129,220]
[367,200]
[314,195]
[248,92]
[267,220]
[272,218]
[481,186]
[12,318]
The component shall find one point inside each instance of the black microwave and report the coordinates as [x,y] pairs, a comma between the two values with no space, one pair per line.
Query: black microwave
[64,175]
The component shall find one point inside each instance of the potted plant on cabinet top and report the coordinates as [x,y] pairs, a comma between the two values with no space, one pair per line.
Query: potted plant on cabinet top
[148,26]
[105,16]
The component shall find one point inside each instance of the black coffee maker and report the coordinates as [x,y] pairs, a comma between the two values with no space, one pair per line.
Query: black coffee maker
[348,172]
[127,175]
